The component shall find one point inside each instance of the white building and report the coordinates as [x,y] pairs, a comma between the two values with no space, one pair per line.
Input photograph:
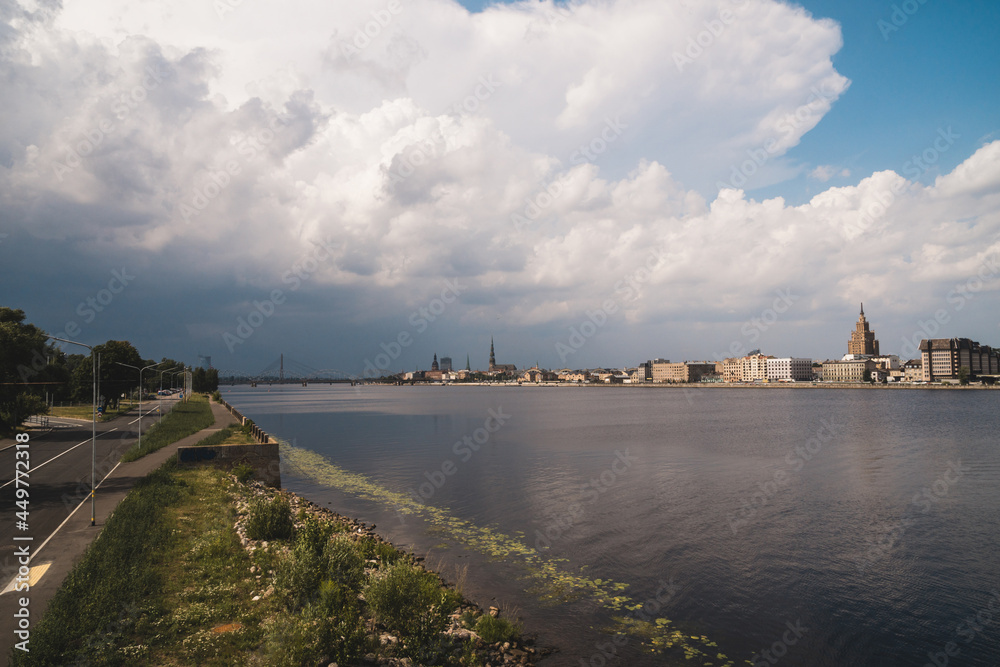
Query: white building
[789,368]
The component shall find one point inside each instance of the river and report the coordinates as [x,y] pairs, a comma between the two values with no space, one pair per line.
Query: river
[778,526]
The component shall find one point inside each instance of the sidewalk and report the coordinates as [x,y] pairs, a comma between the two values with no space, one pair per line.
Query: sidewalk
[68,544]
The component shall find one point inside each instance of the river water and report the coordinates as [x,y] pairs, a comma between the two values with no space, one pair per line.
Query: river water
[823,526]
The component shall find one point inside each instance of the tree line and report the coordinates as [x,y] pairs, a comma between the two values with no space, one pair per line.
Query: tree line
[34,371]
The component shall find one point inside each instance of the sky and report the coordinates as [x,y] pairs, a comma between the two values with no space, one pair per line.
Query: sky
[362,185]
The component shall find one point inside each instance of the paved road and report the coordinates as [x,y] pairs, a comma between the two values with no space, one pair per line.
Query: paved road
[59,495]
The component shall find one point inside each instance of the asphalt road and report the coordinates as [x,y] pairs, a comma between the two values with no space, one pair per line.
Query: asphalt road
[58,486]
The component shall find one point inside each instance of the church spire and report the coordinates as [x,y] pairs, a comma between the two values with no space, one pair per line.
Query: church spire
[862,309]
[493,358]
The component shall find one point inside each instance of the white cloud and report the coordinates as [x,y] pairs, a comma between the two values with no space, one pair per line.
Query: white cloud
[257,135]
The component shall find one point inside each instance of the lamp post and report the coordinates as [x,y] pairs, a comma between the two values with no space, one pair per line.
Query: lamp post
[175,373]
[140,392]
[93,429]
[159,394]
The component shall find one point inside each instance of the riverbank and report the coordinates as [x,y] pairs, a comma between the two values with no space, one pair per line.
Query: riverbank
[696,386]
[222,570]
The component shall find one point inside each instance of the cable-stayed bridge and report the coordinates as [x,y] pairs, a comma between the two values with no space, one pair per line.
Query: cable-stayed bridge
[285,370]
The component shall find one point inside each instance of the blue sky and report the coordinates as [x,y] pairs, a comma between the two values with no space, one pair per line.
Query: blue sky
[325,173]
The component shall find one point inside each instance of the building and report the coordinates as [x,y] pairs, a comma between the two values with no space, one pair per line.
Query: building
[913,371]
[538,375]
[434,364]
[862,338]
[942,358]
[446,364]
[661,370]
[499,368]
[750,368]
[853,370]
[788,369]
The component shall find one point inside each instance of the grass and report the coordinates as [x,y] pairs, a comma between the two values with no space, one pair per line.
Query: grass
[196,595]
[185,419]
[86,411]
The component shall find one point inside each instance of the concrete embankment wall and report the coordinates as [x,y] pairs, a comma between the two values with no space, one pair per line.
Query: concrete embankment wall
[263,457]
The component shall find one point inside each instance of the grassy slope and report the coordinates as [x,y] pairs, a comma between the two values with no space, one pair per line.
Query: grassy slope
[185,419]
[189,596]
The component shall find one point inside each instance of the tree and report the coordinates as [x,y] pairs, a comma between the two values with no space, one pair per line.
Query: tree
[963,375]
[114,380]
[24,356]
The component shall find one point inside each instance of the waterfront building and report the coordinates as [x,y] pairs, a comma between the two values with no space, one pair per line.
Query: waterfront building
[664,371]
[913,370]
[789,368]
[889,362]
[847,371]
[732,369]
[499,368]
[943,357]
[862,338]
[446,364]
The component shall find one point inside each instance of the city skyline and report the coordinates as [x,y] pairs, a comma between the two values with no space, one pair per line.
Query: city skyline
[237,181]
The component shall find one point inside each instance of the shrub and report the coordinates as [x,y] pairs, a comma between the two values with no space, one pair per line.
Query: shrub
[244,472]
[409,601]
[495,629]
[344,563]
[270,519]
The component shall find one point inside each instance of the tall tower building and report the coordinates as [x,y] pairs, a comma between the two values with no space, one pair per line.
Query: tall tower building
[862,338]
[434,366]
[493,357]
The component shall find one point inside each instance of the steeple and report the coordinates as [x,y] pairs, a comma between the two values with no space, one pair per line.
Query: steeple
[434,366]
[467,366]
[493,357]
[862,309]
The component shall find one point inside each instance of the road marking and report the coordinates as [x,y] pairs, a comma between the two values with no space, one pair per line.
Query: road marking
[135,420]
[82,503]
[34,574]
[58,455]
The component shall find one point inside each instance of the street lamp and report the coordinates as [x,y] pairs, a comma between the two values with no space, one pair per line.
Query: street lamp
[140,392]
[175,373]
[159,394]
[93,428]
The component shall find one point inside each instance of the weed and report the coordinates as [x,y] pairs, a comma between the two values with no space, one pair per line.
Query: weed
[495,629]
[270,519]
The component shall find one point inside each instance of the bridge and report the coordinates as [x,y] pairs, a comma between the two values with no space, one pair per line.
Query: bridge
[284,370]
